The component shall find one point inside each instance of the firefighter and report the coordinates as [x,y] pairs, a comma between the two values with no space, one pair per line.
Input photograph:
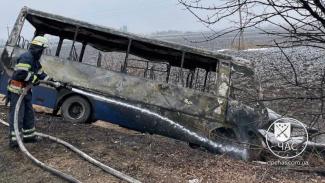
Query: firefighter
[28,70]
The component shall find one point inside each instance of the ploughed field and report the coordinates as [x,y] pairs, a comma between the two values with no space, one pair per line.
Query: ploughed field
[149,158]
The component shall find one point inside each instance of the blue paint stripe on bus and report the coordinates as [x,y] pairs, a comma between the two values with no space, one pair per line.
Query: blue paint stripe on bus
[115,114]
[44,96]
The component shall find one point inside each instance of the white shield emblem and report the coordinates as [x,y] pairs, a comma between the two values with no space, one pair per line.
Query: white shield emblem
[282,131]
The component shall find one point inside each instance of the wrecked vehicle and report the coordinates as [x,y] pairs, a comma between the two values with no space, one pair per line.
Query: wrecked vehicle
[176,91]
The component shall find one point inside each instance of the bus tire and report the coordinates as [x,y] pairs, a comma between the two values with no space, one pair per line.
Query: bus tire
[76,109]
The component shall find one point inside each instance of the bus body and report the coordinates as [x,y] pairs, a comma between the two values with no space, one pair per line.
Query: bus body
[192,100]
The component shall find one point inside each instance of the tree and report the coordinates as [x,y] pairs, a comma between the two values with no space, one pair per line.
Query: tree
[296,22]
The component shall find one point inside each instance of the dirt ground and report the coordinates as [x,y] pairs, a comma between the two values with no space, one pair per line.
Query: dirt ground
[149,158]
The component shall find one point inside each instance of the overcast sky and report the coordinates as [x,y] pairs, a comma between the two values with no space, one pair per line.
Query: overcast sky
[140,16]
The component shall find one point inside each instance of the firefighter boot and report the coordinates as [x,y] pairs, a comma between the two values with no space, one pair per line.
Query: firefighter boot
[29,136]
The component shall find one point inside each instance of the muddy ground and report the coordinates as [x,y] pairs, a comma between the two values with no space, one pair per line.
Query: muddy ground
[149,158]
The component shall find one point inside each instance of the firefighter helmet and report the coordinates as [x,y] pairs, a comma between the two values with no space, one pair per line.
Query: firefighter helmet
[40,41]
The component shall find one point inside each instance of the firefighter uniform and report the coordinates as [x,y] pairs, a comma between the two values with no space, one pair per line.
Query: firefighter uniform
[28,70]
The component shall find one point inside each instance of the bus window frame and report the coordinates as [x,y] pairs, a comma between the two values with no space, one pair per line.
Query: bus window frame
[19,24]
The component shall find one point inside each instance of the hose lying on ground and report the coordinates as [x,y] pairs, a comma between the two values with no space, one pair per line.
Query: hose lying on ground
[92,160]
[27,153]
[79,152]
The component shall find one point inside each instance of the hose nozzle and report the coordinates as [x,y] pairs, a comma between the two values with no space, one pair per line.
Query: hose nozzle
[55,84]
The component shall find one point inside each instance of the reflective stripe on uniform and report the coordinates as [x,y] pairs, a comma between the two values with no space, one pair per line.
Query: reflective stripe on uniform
[15,89]
[28,76]
[34,79]
[13,136]
[16,86]
[29,135]
[22,66]
[29,130]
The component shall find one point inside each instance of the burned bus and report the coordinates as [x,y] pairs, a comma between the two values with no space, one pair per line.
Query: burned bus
[188,88]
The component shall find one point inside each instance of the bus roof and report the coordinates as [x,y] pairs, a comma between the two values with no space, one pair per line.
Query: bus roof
[108,39]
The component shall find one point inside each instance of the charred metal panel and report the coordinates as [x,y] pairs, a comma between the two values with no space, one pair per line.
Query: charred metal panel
[223,85]
[14,36]
[130,88]
[242,115]
[6,62]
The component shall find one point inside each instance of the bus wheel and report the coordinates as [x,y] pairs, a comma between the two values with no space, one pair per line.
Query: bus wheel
[76,109]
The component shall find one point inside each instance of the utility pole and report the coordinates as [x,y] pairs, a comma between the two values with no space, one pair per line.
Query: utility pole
[241,33]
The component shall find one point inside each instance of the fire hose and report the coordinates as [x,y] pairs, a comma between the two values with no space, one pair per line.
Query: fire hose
[54,171]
